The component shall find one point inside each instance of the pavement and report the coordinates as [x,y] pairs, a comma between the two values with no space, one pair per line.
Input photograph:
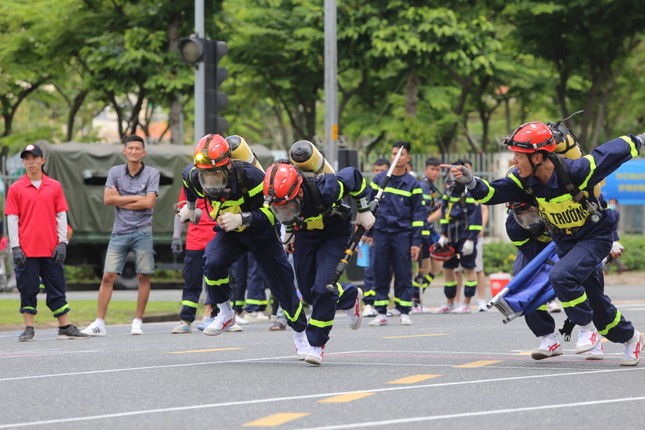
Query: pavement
[456,371]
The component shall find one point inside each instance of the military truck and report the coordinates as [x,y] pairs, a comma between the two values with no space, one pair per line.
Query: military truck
[82,170]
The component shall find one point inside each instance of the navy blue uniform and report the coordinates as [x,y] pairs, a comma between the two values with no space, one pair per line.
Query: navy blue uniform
[259,238]
[320,244]
[461,220]
[581,241]
[398,227]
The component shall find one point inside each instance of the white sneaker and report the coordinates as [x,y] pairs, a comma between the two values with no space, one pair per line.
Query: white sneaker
[233,328]
[354,313]
[587,340]
[256,316]
[554,306]
[315,355]
[461,309]
[549,347]
[136,328]
[302,344]
[445,309]
[182,327]
[222,321]
[95,329]
[481,304]
[597,353]
[240,320]
[369,311]
[633,349]
[405,319]
[379,320]
[393,312]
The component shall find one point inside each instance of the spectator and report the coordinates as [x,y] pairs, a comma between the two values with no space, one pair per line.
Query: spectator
[132,189]
[620,266]
[36,212]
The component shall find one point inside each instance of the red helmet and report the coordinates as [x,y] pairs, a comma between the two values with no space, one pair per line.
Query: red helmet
[211,151]
[531,137]
[441,253]
[281,182]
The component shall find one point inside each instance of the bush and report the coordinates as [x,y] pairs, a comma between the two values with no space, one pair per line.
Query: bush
[499,256]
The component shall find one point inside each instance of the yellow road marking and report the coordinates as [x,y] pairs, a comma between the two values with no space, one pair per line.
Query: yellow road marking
[524,353]
[480,363]
[413,379]
[344,398]
[204,350]
[275,420]
[414,335]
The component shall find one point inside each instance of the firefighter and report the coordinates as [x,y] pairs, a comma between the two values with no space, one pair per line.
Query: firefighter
[318,228]
[232,191]
[563,192]
[461,223]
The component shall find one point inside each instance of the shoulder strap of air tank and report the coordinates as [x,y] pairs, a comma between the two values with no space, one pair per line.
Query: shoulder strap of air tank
[240,177]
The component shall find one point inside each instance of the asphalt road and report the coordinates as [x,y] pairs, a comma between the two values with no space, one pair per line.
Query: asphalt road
[445,371]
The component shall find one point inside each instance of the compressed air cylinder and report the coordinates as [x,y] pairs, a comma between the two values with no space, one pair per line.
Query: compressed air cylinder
[306,157]
[240,150]
[568,147]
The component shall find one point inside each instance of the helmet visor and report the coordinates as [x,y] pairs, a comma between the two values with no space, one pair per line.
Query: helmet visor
[213,181]
[286,213]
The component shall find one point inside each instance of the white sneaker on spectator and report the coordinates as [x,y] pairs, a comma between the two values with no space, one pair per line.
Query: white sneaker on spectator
[96,329]
[354,313]
[597,353]
[549,347]
[136,327]
[405,319]
[369,311]
[315,355]
[633,349]
[445,309]
[256,316]
[481,304]
[302,344]
[378,320]
[182,327]
[554,306]
[587,340]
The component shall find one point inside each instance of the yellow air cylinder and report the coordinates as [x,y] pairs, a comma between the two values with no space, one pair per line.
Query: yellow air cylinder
[306,157]
[240,150]
[568,147]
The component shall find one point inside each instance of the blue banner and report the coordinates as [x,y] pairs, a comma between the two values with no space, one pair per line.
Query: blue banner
[627,184]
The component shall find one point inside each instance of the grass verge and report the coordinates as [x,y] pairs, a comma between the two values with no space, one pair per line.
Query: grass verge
[83,312]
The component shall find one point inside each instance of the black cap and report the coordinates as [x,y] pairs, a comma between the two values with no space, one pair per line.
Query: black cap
[32,149]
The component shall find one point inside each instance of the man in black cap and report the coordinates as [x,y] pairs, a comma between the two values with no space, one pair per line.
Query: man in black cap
[36,212]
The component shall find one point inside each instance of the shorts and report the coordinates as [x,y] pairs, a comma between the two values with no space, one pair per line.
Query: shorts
[140,243]
[479,259]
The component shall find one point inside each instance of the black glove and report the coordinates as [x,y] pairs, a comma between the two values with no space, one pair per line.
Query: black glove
[19,258]
[60,252]
[176,246]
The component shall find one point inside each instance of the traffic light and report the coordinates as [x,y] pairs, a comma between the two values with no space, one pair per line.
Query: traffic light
[192,49]
[216,100]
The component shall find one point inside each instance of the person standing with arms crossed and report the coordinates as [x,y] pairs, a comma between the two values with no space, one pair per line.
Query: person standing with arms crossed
[132,189]
[36,212]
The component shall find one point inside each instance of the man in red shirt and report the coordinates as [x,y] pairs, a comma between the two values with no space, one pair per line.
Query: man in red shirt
[36,213]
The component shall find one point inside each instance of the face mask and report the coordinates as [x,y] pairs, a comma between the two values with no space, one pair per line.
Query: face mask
[287,213]
[530,220]
[213,181]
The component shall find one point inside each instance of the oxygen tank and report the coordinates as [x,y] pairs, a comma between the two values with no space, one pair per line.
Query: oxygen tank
[306,157]
[568,147]
[240,150]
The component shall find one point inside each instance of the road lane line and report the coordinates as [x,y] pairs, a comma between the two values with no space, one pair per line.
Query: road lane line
[275,419]
[414,335]
[290,399]
[191,351]
[413,379]
[346,398]
[475,364]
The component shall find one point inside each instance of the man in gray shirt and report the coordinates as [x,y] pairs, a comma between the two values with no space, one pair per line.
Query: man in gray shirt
[132,189]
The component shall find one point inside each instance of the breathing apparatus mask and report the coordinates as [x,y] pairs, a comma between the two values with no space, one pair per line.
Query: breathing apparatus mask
[527,217]
[214,182]
[287,213]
